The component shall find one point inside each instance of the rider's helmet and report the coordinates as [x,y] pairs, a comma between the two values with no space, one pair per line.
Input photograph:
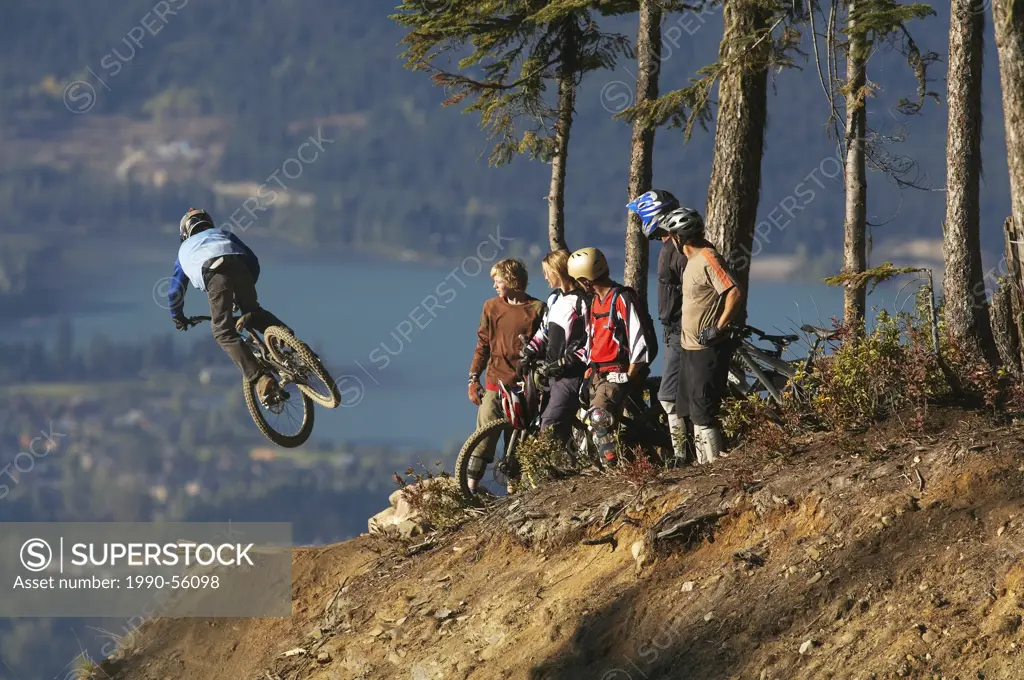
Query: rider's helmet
[194,221]
[588,263]
[683,222]
[651,206]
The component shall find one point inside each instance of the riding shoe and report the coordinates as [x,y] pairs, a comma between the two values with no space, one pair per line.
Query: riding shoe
[266,387]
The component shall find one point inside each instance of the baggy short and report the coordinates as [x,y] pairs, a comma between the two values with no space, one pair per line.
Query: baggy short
[703,380]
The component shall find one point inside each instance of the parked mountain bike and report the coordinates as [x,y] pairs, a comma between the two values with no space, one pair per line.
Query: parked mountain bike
[756,370]
[293,364]
[644,423]
[522,403]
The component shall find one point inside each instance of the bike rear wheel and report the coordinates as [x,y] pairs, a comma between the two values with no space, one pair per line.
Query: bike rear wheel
[288,441]
[502,426]
[292,353]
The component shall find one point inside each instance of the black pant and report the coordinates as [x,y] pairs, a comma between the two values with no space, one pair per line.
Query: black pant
[702,382]
[230,282]
[672,366]
[563,402]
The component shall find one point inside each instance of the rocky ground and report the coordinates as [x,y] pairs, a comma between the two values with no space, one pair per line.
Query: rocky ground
[869,556]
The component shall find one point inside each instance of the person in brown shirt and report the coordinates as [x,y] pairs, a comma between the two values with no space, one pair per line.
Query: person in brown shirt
[504,318]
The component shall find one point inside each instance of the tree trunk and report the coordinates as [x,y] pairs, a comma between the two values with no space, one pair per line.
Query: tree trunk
[965,308]
[1004,329]
[563,126]
[1008,18]
[735,184]
[648,61]
[1013,239]
[855,226]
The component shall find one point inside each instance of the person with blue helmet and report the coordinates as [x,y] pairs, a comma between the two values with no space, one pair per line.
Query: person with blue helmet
[217,262]
[651,207]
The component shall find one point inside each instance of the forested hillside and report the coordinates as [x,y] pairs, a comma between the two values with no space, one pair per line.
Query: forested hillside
[401,169]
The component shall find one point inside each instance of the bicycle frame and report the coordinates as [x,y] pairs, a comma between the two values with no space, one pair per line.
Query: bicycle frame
[259,350]
[749,354]
[746,351]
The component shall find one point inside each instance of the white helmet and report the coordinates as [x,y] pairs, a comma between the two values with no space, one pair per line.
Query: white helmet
[683,222]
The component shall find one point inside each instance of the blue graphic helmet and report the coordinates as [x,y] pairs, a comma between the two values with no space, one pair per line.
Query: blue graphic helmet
[651,206]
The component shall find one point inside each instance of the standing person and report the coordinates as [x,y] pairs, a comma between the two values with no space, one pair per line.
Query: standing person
[618,345]
[561,340]
[504,318]
[711,300]
[651,207]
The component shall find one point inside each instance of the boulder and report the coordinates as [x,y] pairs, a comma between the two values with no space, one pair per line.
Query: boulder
[400,518]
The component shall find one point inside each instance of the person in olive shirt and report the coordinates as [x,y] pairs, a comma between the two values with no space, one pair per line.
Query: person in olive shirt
[711,300]
[651,207]
[505,317]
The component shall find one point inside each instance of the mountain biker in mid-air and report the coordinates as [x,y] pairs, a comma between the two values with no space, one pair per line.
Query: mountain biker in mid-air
[216,261]
[651,207]
[561,340]
[617,345]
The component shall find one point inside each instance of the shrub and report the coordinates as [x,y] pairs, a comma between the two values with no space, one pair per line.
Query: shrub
[436,497]
[542,457]
[760,425]
[637,467]
[862,381]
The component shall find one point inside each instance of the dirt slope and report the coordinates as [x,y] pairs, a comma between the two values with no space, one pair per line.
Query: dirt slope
[835,564]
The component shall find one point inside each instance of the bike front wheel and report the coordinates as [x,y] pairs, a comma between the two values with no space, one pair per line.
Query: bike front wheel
[296,428]
[495,428]
[309,373]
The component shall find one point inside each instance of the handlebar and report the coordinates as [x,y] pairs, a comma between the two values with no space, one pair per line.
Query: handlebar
[744,332]
[196,320]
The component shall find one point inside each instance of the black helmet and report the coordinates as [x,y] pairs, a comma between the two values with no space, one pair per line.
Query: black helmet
[684,222]
[194,221]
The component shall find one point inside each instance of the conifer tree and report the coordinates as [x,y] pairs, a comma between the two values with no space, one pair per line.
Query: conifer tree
[519,47]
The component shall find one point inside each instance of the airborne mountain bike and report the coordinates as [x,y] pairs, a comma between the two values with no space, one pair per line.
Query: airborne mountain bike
[756,370]
[292,363]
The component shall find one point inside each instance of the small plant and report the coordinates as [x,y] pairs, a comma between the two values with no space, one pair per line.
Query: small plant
[638,469]
[759,425]
[436,497]
[542,457]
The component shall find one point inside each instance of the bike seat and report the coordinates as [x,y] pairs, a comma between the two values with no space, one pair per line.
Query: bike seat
[780,339]
[823,333]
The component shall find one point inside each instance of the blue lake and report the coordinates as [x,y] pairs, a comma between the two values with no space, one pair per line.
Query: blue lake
[405,364]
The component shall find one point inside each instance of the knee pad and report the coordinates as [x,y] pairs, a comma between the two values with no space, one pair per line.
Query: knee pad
[601,419]
[475,469]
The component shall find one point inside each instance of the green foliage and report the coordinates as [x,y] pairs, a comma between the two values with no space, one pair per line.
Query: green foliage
[542,457]
[876,275]
[760,425]
[436,496]
[517,48]
[874,21]
[864,380]
[750,45]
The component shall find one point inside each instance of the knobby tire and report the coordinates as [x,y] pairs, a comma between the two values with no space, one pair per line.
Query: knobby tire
[252,402]
[308,359]
[462,462]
